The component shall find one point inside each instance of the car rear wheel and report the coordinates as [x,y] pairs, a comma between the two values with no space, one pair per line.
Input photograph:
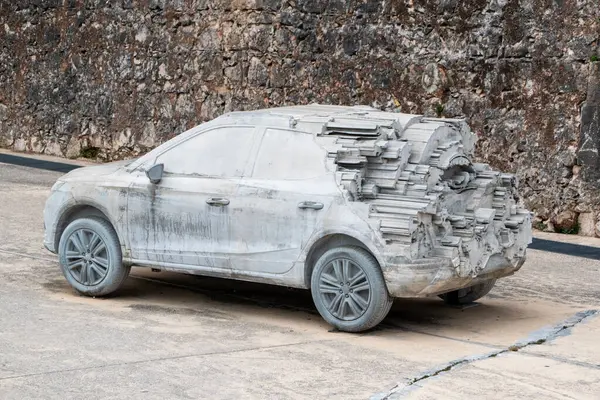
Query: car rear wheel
[469,294]
[90,257]
[348,289]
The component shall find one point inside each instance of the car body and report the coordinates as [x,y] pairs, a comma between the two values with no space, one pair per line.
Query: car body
[263,195]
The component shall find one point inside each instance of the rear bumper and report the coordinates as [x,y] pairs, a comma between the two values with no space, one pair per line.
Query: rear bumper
[432,276]
[487,249]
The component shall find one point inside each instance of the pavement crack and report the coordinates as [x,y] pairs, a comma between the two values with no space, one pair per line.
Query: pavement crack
[538,337]
[550,333]
[449,366]
[15,253]
[159,359]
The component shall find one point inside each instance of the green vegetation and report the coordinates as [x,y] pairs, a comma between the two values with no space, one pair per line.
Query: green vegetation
[569,231]
[89,152]
[540,225]
[439,110]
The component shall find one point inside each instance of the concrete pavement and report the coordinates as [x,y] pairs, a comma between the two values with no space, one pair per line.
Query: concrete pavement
[177,336]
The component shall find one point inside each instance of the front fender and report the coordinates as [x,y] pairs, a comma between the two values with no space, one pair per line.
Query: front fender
[57,204]
[110,202]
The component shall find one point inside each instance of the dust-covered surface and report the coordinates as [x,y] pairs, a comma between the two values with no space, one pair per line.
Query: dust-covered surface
[404,186]
[168,335]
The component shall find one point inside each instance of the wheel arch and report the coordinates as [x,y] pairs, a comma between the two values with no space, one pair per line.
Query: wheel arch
[82,210]
[327,240]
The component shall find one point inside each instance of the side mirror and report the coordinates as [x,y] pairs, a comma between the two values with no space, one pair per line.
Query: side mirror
[155,173]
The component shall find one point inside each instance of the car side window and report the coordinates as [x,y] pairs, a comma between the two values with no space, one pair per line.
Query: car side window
[221,152]
[289,155]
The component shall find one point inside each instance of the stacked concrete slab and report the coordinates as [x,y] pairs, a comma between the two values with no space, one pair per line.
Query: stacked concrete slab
[423,189]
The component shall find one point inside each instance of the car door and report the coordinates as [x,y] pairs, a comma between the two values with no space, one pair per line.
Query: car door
[282,199]
[184,219]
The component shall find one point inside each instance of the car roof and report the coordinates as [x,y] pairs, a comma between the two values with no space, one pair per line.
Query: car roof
[319,118]
[330,125]
[305,110]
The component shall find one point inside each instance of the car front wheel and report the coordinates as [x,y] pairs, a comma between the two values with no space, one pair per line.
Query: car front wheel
[90,257]
[348,289]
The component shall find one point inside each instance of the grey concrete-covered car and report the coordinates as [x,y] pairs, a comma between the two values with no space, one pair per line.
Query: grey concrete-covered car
[356,204]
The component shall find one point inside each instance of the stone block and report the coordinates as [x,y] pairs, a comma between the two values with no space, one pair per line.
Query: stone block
[565,222]
[587,224]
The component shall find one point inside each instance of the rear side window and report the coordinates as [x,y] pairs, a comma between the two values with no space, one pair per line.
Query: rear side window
[221,152]
[289,155]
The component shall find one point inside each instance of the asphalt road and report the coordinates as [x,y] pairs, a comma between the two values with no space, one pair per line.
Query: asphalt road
[178,337]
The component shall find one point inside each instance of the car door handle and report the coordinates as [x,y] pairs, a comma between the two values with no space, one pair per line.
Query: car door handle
[313,205]
[217,201]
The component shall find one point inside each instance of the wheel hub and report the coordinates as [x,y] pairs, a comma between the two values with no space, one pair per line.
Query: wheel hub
[87,257]
[345,289]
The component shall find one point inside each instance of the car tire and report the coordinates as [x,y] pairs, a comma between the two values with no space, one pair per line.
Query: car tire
[348,289]
[469,294]
[90,257]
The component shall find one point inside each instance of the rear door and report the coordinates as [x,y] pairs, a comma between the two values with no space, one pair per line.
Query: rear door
[281,200]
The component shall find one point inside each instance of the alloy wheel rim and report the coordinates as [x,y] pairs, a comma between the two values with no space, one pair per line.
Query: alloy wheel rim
[345,289]
[87,257]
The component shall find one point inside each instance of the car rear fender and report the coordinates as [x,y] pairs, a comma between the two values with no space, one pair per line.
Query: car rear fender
[330,237]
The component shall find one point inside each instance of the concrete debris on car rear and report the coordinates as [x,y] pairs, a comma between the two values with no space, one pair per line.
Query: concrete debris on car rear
[423,189]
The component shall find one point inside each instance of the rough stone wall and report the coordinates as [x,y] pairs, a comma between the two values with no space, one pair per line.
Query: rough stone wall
[113,78]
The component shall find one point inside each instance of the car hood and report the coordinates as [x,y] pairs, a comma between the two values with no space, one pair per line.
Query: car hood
[89,173]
